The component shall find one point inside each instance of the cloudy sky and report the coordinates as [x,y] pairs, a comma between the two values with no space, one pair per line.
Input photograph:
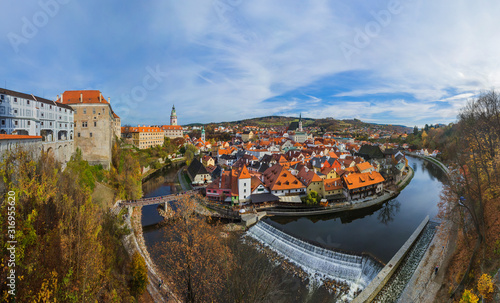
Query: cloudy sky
[407,62]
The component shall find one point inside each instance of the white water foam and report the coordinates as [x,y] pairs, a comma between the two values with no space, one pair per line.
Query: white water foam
[319,263]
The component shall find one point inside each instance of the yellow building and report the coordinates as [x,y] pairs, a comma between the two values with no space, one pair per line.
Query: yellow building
[144,136]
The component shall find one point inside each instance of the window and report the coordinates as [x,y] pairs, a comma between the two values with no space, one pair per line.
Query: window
[50,123]
[75,111]
[78,135]
[84,124]
[95,123]
[2,97]
[50,107]
[29,122]
[60,109]
[15,111]
[60,125]
[93,111]
[41,123]
[15,99]
[3,122]
[41,105]
[28,102]
[16,123]
[85,111]
[90,135]
[42,114]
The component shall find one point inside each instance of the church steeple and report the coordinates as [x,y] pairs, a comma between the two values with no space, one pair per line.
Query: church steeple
[203,134]
[173,116]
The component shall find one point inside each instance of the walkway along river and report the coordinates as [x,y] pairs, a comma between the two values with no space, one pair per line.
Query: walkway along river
[379,230]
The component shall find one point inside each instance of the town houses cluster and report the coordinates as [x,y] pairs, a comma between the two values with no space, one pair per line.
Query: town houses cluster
[261,166]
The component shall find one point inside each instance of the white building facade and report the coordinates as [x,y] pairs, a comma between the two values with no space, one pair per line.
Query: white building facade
[23,114]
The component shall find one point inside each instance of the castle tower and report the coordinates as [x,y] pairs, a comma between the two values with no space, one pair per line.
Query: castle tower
[300,122]
[173,116]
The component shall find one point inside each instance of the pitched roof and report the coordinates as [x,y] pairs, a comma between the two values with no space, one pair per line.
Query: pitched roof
[364,166]
[278,178]
[244,174]
[141,129]
[332,184]
[34,98]
[196,168]
[358,180]
[171,127]
[87,96]
[308,176]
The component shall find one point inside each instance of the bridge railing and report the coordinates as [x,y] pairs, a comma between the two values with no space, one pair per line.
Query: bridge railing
[143,200]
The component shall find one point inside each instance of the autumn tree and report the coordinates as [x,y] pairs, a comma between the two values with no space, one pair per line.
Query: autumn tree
[194,255]
[139,274]
[59,251]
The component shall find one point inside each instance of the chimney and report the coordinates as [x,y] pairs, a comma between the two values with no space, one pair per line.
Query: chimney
[57,98]
[62,95]
[81,98]
[109,100]
[100,97]
[138,125]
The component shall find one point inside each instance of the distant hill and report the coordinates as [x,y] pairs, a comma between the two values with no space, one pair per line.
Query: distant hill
[325,124]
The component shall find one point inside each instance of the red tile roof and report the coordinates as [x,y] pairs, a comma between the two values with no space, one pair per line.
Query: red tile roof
[362,179]
[171,127]
[89,96]
[18,137]
[278,178]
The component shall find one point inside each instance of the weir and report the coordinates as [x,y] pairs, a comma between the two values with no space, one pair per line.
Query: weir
[355,270]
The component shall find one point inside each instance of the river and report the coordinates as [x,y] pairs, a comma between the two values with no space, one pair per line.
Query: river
[380,230]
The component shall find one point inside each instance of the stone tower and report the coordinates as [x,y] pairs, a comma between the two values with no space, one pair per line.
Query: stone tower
[300,122]
[173,116]
[203,134]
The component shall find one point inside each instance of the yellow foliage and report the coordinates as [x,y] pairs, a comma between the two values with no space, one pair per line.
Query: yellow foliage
[469,297]
[484,285]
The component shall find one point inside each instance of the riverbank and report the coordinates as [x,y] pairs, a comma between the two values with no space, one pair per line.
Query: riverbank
[152,171]
[135,243]
[346,206]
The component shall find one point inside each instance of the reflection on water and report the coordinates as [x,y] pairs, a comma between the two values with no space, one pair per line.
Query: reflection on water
[379,230]
[389,211]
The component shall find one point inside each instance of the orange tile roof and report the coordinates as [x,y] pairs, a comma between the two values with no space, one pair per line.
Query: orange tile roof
[255,182]
[364,166]
[244,174]
[170,127]
[141,129]
[9,137]
[358,180]
[88,96]
[332,184]
[278,178]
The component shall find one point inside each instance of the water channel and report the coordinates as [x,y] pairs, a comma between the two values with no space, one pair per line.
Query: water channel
[379,231]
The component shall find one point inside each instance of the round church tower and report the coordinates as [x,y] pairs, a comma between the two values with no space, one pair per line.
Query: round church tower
[173,116]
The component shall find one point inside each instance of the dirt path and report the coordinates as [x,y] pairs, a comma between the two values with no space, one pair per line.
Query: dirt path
[134,243]
[426,285]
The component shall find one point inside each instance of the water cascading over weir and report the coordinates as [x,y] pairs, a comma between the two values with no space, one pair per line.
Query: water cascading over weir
[355,270]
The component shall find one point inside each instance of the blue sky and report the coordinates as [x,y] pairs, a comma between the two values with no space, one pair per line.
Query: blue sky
[404,62]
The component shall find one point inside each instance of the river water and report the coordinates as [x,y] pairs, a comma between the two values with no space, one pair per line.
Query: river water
[380,230]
